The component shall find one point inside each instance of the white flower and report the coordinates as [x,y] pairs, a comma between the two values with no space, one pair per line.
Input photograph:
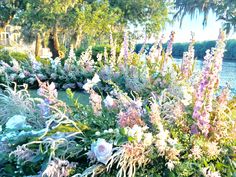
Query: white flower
[114,92]
[91,83]
[110,130]
[196,152]
[136,132]
[21,76]
[170,165]
[102,150]
[148,139]
[172,142]
[208,173]
[16,65]
[97,133]
[163,134]
[109,101]
[187,96]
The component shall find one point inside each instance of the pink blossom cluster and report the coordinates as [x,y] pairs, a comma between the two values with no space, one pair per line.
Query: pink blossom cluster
[47,91]
[223,97]
[208,83]
[130,118]
[96,102]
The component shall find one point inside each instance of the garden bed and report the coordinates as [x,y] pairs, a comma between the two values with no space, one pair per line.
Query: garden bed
[136,119]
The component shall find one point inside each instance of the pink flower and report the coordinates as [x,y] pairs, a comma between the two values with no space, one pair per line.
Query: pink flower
[96,102]
[207,85]
[130,118]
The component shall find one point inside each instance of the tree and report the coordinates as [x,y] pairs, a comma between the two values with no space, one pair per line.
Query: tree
[92,20]
[51,13]
[151,14]
[66,21]
[69,18]
[8,9]
[225,10]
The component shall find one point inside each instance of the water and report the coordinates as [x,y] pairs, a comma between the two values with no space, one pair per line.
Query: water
[227,75]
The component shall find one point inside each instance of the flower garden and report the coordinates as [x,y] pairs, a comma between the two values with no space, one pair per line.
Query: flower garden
[152,118]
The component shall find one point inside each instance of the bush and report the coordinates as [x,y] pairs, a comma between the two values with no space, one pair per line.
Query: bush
[6,56]
[19,56]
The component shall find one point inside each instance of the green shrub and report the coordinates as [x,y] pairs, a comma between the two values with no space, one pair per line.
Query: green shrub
[44,61]
[19,56]
[5,56]
[1,47]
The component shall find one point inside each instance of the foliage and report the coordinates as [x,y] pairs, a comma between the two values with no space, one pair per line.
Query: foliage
[152,15]
[25,71]
[81,22]
[143,118]
[224,9]
[7,56]
[19,56]
[8,8]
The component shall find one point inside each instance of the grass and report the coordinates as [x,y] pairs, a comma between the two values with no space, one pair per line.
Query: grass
[83,98]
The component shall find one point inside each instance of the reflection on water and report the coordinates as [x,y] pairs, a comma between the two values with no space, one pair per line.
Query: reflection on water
[228,73]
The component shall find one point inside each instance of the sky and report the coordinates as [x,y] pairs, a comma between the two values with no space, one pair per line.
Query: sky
[209,32]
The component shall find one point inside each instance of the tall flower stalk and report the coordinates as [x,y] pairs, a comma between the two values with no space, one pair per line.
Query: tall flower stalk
[113,49]
[170,44]
[209,82]
[164,61]
[188,59]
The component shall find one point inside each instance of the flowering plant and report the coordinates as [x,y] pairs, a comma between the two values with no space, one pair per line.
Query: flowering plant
[101,150]
[168,127]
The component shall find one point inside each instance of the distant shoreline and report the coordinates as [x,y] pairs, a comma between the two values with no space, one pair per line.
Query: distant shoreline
[224,59]
[200,49]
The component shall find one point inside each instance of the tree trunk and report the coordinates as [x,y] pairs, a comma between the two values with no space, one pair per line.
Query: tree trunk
[44,40]
[78,41]
[56,42]
[53,43]
[37,45]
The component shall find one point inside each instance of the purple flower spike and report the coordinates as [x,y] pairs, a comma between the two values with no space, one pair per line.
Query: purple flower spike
[207,85]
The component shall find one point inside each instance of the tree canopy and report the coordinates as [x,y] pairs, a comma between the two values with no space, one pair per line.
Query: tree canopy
[225,10]
[77,21]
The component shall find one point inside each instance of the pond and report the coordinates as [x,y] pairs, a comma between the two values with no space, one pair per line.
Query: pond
[82,97]
[227,75]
